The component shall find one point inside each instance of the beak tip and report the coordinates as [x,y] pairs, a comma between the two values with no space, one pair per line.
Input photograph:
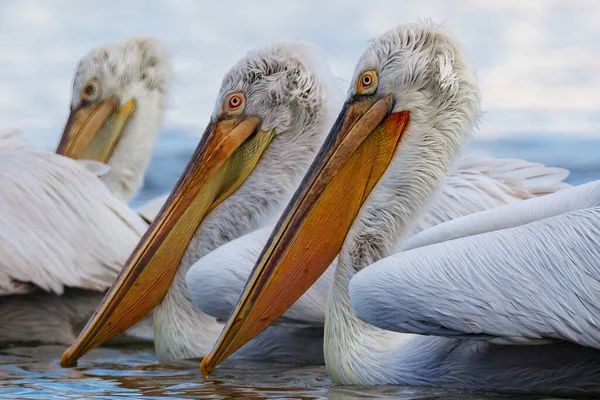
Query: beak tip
[205,369]
[67,361]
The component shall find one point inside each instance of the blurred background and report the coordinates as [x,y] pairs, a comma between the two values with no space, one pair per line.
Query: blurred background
[538,64]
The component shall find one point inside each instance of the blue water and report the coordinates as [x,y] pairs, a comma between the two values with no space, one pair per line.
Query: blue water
[105,373]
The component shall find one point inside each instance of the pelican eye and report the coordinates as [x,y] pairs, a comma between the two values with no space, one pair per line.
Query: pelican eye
[367,82]
[234,103]
[89,91]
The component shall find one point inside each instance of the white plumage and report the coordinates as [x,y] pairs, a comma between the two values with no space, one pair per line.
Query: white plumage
[519,273]
[60,228]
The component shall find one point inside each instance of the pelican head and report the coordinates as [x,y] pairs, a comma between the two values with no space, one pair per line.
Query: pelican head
[411,106]
[116,110]
[269,119]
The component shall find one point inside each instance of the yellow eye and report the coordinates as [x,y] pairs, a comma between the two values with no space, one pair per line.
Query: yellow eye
[89,91]
[234,103]
[367,82]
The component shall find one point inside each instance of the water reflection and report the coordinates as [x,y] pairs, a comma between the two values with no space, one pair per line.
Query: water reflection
[34,372]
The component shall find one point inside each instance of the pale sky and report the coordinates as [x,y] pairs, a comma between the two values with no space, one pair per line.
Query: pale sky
[538,61]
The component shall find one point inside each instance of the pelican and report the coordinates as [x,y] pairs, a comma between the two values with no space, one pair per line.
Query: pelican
[411,107]
[63,236]
[116,111]
[273,110]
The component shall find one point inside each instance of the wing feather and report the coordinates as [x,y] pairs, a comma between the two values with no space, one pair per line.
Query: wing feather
[517,282]
[481,183]
[59,225]
[475,184]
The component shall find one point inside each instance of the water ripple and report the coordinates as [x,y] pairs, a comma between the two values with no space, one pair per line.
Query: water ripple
[34,373]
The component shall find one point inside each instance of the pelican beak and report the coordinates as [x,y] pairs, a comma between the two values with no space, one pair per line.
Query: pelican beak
[226,156]
[313,227]
[94,129]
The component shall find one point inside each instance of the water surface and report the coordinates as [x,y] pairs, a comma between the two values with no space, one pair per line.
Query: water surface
[35,373]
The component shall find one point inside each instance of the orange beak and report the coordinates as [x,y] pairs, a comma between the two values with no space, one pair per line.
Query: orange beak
[94,129]
[223,160]
[312,229]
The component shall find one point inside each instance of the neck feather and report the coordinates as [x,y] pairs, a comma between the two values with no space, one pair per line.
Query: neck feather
[356,352]
[132,153]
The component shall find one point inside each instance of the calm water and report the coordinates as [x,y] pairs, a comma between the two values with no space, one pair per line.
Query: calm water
[34,372]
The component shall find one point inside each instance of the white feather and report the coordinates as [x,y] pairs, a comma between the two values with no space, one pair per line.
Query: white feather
[59,225]
[521,272]
[95,167]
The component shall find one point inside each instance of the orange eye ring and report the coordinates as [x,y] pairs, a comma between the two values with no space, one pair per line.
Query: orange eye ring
[235,102]
[367,82]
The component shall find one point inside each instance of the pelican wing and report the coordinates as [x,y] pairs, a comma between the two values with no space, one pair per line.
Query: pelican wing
[480,183]
[59,225]
[519,273]
[518,178]
[476,183]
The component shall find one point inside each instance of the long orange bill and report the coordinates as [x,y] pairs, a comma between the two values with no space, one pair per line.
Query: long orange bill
[315,223]
[223,160]
[94,129]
